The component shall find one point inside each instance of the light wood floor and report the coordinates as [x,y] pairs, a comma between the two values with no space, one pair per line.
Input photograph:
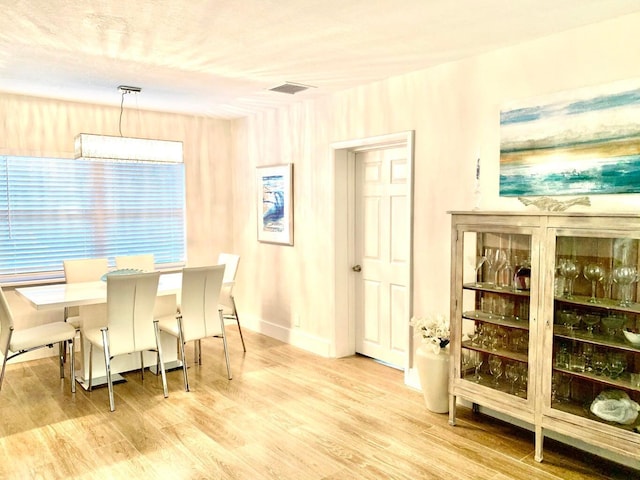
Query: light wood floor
[286,414]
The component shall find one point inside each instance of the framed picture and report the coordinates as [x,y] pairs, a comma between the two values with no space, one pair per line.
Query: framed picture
[584,141]
[275,204]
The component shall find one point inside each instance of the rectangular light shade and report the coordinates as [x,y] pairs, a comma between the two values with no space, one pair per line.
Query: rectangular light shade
[106,147]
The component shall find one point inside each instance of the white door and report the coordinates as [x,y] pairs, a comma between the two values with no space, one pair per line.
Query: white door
[382,253]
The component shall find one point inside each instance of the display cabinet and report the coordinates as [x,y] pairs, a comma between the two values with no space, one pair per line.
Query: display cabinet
[545,324]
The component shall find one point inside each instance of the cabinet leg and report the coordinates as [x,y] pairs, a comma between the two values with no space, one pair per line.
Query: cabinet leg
[452,410]
[475,408]
[539,440]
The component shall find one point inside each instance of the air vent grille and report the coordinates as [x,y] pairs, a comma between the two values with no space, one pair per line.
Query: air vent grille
[290,88]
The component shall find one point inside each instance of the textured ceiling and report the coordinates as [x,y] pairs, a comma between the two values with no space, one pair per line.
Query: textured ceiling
[219,58]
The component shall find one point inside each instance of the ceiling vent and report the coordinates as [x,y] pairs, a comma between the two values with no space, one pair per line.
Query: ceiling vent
[290,88]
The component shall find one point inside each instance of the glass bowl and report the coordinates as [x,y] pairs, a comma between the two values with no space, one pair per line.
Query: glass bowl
[612,324]
[632,338]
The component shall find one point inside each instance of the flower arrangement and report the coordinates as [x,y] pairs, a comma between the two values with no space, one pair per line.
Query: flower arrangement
[434,329]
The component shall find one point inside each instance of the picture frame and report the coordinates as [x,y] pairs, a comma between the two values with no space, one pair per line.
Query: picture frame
[576,142]
[274,202]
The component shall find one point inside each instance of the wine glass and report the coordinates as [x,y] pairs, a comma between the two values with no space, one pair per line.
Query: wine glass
[513,374]
[477,362]
[594,272]
[590,320]
[489,254]
[569,269]
[499,262]
[625,276]
[480,260]
[495,367]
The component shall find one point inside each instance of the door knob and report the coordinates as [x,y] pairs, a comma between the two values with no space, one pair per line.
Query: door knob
[356,268]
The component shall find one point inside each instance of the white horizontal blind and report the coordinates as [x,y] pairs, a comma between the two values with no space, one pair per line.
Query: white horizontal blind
[53,209]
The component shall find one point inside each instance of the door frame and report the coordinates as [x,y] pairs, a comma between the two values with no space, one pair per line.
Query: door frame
[343,154]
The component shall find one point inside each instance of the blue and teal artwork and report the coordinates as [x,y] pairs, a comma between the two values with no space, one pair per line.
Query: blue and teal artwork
[581,142]
[273,203]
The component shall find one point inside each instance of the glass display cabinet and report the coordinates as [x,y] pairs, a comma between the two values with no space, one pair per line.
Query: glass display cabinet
[545,323]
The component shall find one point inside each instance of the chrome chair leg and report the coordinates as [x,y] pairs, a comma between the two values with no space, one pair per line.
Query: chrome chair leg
[107,365]
[224,342]
[142,366]
[62,347]
[4,357]
[72,359]
[185,376]
[159,347]
[237,318]
[90,366]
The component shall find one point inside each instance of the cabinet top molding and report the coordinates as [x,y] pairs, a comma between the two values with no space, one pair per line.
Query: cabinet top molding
[511,213]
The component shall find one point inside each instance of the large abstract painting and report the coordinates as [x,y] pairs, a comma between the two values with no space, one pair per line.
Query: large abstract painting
[585,141]
[275,204]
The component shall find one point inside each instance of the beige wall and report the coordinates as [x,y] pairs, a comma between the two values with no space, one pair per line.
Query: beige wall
[454,110]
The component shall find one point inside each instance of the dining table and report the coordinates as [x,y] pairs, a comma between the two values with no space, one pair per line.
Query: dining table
[91,299]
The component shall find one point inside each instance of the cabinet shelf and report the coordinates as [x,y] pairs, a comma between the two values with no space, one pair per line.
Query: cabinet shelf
[563,332]
[605,304]
[503,321]
[501,352]
[491,288]
[621,382]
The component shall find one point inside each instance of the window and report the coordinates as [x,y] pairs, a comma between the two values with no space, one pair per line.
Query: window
[53,209]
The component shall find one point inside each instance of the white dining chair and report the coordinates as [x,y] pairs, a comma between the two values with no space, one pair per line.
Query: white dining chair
[144,262]
[14,342]
[130,325]
[199,316]
[227,298]
[79,270]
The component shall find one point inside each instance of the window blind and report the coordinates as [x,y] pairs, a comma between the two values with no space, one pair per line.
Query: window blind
[53,209]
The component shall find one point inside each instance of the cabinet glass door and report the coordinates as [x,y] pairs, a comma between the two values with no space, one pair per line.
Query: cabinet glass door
[596,331]
[496,310]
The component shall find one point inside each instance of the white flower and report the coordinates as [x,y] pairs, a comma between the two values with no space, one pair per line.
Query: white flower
[434,329]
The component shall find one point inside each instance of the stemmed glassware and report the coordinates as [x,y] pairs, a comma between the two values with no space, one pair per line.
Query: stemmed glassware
[495,367]
[499,262]
[480,260]
[489,255]
[625,276]
[477,362]
[570,270]
[512,372]
[594,272]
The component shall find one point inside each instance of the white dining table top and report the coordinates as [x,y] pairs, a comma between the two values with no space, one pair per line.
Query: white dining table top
[62,295]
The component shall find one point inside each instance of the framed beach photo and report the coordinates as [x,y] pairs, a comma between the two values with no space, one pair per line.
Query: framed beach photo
[275,204]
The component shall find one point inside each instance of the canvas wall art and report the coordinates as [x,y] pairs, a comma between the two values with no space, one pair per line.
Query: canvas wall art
[275,204]
[585,141]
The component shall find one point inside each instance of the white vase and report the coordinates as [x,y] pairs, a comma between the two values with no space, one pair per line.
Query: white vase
[433,370]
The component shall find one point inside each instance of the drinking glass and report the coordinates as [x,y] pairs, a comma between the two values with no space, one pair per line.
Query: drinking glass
[617,364]
[594,272]
[625,276]
[599,363]
[499,262]
[477,362]
[570,270]
[489,255]
[512,373]
[590,320]
[480,260]
[495,367]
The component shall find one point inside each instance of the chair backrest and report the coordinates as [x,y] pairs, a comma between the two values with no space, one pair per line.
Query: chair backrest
[85,269]
[6,323]
[199,307]
[145,262]
[231,261]
[130,303]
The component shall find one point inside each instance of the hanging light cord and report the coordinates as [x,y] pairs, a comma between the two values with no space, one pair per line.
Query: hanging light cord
[121,108]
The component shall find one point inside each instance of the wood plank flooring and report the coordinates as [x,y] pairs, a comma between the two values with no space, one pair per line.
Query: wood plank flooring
[286,414]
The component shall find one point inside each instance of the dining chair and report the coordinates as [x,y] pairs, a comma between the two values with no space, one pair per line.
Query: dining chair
[227,298]
[14,342]
[144,262]
[81,270]
[200,316]
[130,325]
